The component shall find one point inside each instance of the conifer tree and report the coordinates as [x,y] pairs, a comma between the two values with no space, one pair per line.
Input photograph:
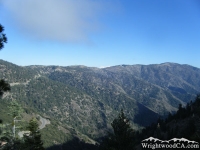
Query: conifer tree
[4,86]
[9,137]
[15,111]
[12,143]
[122,137]
[3,38]
[33,140]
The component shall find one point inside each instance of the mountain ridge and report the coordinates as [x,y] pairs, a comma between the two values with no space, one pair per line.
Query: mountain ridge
[89,98]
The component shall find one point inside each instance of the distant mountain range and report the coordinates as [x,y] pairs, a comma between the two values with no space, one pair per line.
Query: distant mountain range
[88,99]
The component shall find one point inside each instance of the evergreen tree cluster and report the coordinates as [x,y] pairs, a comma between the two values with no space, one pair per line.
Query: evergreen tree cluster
[10,141]
[184,123]
[33,140]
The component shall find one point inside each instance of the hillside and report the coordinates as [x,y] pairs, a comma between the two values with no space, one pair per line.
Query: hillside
[183,124]
[82,101]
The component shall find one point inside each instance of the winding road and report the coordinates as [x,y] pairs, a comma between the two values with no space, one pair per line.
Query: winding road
[44,122]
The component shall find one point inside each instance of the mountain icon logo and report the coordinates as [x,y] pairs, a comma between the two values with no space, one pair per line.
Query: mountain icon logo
[152,139]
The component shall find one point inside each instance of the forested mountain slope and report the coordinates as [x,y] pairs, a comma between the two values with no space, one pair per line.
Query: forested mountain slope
[87,99]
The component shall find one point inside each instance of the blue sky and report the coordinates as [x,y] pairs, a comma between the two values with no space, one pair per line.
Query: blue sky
[100,33]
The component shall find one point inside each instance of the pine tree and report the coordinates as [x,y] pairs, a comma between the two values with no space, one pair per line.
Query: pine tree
[15,111]
[12,143]
[122,137]
[3,38]
[33,140]
[4,87]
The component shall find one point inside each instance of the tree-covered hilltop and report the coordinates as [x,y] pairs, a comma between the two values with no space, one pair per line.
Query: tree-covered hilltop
[16,74]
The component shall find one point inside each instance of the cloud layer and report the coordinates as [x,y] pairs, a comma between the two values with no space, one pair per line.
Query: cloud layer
[60,20]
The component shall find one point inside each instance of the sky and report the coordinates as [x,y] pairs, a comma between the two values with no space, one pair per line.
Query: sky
[101,33]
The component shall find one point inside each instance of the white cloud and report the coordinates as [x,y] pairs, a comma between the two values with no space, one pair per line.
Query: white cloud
[60,20]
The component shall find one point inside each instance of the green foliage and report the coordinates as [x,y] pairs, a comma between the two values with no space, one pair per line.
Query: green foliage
[33,140]
[15,74]
[15,109]
[51,135]
[184,123]
[4,111]
[8,130]
[196,107]
[33,126]
[74,144]
[4,87]
[86,99]
[13,144]
[3,38]
[5,132]
[122,137]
